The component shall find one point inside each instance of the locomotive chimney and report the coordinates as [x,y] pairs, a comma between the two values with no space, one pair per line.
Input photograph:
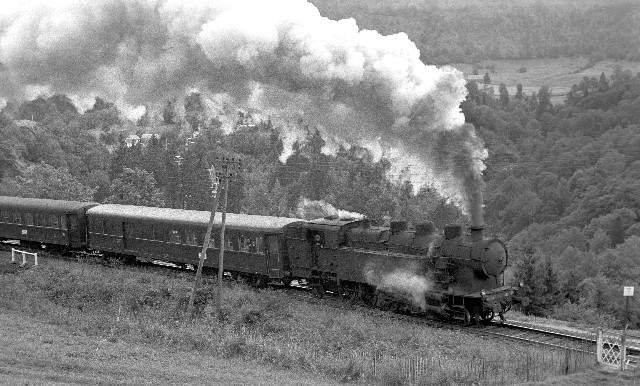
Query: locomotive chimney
[476,232]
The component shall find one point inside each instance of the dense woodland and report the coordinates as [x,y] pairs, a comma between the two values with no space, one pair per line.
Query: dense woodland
[470,31]
[563,181]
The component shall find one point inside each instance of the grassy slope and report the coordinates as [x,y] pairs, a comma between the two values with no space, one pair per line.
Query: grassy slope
[38,353]
[77,323]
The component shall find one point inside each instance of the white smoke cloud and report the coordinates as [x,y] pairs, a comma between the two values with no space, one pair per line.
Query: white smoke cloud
[312,209]
[280,55]
[403,283]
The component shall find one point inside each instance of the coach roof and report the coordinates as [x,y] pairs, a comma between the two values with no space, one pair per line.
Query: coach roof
[189,217]
[41,204]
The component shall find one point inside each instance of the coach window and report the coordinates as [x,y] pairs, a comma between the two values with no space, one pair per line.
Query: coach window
[244,242]
[190,237]
[113,227]
[73,222]
[28,219]
[160,233]
[63,222]
[17,218]
[230,242]
[39,220]
[144,231]
[212,240]
[54,221]
[174,236]
[259,248]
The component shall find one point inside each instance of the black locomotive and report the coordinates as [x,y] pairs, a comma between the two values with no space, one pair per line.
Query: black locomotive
[459,276]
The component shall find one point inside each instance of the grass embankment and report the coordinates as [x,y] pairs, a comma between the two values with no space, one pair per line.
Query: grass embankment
[266,328]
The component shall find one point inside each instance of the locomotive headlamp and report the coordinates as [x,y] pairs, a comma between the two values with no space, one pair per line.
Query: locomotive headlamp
[483,293]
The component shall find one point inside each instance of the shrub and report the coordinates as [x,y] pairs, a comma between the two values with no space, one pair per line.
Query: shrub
[581,314]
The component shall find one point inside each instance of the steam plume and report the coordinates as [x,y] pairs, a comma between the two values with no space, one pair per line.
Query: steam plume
[310,210]
[402,282]
[358,86]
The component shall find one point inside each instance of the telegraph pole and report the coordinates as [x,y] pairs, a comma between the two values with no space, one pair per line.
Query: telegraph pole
[207,237]
[230,171]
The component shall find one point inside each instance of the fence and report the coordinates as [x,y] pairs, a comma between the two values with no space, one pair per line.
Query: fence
[612,349]
[532,366]
[24,257]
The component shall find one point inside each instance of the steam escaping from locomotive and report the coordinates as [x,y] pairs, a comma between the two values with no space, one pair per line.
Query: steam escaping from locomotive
[403,283]
[313,209]
[282,57]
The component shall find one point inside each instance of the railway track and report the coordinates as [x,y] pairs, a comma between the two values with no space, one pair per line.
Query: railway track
[533,334]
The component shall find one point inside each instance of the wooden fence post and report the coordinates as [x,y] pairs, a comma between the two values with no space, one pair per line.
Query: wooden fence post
[599,346]
[623,348]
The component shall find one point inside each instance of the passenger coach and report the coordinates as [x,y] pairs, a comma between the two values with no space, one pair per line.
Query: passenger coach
[36,221]
[253,244]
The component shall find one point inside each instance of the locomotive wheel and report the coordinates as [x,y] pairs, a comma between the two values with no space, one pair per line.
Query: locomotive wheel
[259,282]
[488,315]
[467,318]
[393,307]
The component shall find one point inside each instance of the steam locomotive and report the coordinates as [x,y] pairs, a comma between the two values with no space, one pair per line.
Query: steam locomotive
[455,275]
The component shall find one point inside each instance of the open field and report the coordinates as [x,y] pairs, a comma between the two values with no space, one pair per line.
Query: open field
[78,323]
[559,74]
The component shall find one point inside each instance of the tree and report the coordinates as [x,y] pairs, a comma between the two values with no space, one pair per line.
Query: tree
[169,113]
[603,83]
[263,193]
[135,187]
[544,100]
[194,110]
[44,181]
[504,94]
[486,79]
[103,115]
[531,296]
[551,285]
[519,94]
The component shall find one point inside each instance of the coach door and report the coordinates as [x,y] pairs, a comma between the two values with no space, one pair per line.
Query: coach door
[75,238]
[125,236]
[273,256]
